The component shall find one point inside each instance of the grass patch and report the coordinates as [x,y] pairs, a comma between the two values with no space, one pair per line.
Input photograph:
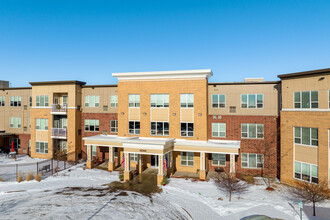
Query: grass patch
[19,177]
[29,176]
[248,178]
[38,177]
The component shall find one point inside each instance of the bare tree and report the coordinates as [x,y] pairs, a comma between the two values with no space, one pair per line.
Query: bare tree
[229,183]
[308,192]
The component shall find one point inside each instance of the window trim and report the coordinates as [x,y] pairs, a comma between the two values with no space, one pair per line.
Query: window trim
[44,142]
[134,129]
[310,99]
[163,101]
[310,172]
[94,150]
[114,104]
[186,103]
[135,157]
[12,102]
[136,104]
[156,128]
[14,120]
[94,125]
[256,101]
[248,162]
[87,101]
[218,103]
[310,135]
[116,126]
[2,101]
[219,132]
[187,131]
[45,123]
[248,131]
[219,164]
[187,164]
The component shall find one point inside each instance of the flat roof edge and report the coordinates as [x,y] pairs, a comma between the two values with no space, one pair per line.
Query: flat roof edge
[305,73]
[58,82]
[243,83]
[13,88]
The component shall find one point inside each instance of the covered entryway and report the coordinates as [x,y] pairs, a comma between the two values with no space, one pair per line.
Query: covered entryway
[154,161]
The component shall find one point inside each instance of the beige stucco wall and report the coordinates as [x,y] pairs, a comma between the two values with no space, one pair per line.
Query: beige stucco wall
[104,93]
[174,89]
[7,111]
[307,83]
[233,94]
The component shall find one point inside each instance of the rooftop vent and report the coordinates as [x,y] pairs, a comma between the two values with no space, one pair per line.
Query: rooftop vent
[253,79]
[4,84]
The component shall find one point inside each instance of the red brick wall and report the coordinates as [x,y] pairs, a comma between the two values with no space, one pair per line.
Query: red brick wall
[104,120]
[24,139]
[269,145]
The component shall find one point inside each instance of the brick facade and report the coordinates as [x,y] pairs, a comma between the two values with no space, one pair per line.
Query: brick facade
[269,145]
[104,125]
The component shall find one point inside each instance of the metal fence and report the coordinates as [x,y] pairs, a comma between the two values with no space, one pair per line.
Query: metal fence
[10,172]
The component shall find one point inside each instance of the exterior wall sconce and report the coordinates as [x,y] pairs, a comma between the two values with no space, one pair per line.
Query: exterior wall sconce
[174,114]
[122,113]
[144,113]
[199,114]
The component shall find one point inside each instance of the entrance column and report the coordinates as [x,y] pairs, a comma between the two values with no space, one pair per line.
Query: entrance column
[140,164]
[111,163]
[127,173]
[89,163]
[160,175]
[202,170]
[232,163]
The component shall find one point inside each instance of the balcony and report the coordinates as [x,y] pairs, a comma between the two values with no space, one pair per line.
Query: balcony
[59,133]
[58,109]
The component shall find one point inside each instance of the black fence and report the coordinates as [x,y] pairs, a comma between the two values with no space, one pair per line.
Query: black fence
[10,172]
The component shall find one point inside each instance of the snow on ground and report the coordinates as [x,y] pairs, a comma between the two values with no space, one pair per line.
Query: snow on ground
[20,159]
[81,194]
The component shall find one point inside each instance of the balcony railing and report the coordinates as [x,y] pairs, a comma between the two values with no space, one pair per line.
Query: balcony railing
[57,108]
[58,132]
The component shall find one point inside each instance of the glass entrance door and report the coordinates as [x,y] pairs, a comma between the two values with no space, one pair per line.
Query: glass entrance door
[154,161]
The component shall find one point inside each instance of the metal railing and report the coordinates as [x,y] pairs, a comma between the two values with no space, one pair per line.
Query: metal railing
[59,108]
[59,132]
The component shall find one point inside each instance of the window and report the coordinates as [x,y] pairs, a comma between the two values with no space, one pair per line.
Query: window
[116,152]
[15,101]
[187,159]
[113,126]
[232,109]
[94,150]
[160,128]
[114,101]
[65,100]
[16,142]
[219,159]
[252,131]
[42,100]
[306,172]
[134,127]
[41,124]
[252,160]
[63,146]
[252,100]
[307,99]
[187,129]
[134,100]
[187,100]
[133,157]
[2,101]
[42,147]
[92,101]
[218,129]
[218,101]
[91,125]
[159,100]
[30,100]
[15,122]
[306,136]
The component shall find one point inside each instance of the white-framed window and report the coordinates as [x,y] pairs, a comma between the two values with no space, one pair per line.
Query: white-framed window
[15,122]
[306,99]
[65,100]
[114,126]
[2,100]
[219,130]
[114,101]
[218,101]
[187,159]
[134,127]
[92,101]
[133,157]
[187,100]
[251,160]
[252,100]
[16,142]
[41,124]
[306,136]
[30,101]
[306,172]
[91,125]
[187,129]
[42,100]
[252,131]
[15,101]
[94,150]
[160,128]
[219,159]
[42,147]
[133,100]
[159,100]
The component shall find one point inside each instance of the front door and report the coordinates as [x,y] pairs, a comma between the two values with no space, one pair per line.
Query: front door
[154,161]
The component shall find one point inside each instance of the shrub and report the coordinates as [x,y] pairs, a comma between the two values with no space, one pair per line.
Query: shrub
[29,176]
[1,179]
[248,178]
[38,177]
[19,177]
[164,182]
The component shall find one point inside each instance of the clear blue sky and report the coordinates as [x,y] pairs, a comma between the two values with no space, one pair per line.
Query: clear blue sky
[89,40]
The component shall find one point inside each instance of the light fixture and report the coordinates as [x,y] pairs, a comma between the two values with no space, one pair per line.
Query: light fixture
[199,114]
[122,113]
[321,78]
[174,114]
[144,113]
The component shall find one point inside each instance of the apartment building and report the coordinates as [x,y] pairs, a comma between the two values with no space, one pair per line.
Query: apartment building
[305,124]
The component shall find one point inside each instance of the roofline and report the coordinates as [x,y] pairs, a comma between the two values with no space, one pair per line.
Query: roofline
[245,83]
[58,82]
[305,73]
[91,86]
[13,88]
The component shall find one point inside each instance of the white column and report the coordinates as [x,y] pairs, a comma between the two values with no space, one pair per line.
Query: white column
[127,162]
[89,153]
[232,163]
[140,160]
[160,165]
[111,154]
[202,161]
[171,159]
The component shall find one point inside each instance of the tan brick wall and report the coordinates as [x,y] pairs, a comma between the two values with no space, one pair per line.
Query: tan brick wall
[192,169]
[320,120]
